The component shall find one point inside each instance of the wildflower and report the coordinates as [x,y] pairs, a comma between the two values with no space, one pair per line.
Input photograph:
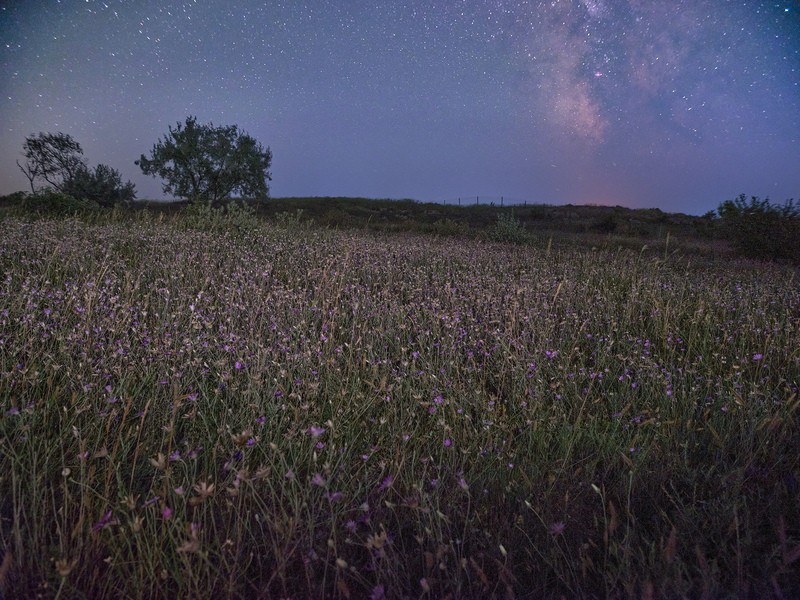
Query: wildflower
[104,521]
[378,593]
[551,354]
[448,442]
[166,513]
[315,431]
[204,490]
[238,365]
[757,357]
[289,475]
[557,528]
[318,479]
[386,483]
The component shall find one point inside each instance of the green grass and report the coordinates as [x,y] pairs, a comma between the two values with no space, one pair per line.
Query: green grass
[287,411]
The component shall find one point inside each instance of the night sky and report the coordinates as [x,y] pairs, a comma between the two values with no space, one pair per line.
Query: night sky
[675,104]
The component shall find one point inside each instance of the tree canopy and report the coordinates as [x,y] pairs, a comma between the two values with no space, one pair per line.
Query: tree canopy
[57,160]
[208,163]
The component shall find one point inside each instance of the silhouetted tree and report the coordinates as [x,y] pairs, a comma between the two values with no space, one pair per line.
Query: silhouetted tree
[55,158]
[207,163]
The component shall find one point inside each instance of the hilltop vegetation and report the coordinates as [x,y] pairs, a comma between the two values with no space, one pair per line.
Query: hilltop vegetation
[758,229]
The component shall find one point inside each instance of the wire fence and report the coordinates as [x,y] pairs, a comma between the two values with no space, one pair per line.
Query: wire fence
[486,201]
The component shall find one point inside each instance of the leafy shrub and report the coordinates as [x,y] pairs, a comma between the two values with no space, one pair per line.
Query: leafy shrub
[606,224]
[292,220]
[508,229]
[234,216]
[57,204]
[103,186]
[762,230]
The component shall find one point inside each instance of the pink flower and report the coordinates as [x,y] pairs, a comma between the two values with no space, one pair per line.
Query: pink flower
[166,512]
[448,442]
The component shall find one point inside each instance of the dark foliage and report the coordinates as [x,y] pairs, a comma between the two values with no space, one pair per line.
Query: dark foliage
[210,164]
[762,230]
[54,158]
[103,186]
[50,203]
[55,161]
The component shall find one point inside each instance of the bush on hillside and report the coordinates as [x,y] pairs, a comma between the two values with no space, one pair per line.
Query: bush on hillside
[762,230]
[508,229]
[50,203]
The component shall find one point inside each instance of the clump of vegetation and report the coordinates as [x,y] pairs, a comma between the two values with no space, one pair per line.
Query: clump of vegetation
[508,229]
[293,221]
[762,230]
[352,415]
[236,217]
[54,162]
[208,164]
[51,203]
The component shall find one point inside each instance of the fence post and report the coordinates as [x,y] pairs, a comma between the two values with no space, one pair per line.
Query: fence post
[501,201]
[477,200]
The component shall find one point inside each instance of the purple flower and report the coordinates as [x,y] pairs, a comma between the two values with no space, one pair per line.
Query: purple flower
[556,528]
[318,479]
[315,431]
[448,442]
[238,365]
[166,512]
[103,522]
[757,357]
[386,483]
[378,593]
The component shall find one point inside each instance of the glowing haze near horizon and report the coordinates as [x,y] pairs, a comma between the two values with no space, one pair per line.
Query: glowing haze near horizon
[645,103]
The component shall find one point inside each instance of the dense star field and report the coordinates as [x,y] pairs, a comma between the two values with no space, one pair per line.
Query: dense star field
[678,105]
[281,412]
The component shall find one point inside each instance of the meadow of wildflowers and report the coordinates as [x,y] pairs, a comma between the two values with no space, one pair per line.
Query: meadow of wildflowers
[279,413]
